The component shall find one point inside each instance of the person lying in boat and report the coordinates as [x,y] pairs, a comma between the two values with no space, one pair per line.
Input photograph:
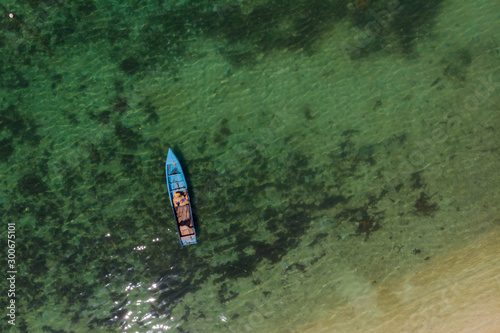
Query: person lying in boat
[186,223]
[180,199]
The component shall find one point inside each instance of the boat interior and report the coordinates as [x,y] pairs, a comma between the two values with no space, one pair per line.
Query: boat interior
[183,213]
[182,206]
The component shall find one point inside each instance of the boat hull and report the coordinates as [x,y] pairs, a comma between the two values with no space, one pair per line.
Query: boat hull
[180,200]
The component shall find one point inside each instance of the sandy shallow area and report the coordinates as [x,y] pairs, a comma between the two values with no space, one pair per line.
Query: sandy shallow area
[458,292]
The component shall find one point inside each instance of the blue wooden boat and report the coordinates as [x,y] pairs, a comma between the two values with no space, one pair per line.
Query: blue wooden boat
[179,200]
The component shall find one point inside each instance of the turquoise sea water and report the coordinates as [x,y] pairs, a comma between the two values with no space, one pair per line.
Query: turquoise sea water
[329,147]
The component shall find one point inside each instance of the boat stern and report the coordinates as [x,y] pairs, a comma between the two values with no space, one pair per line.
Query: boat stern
[188,240]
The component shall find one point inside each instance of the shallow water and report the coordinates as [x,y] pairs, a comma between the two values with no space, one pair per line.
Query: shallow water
[338,156]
